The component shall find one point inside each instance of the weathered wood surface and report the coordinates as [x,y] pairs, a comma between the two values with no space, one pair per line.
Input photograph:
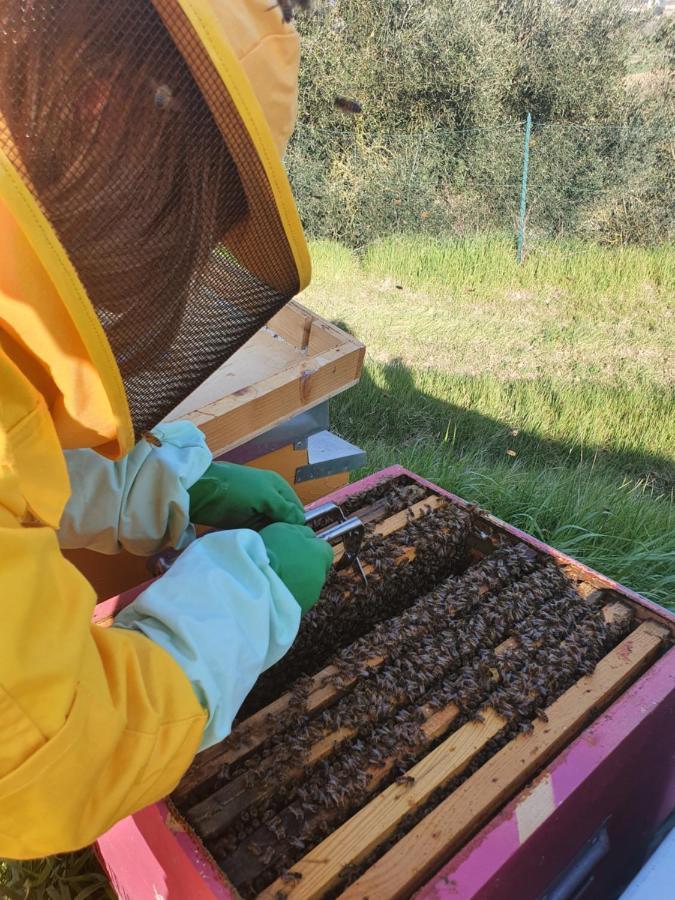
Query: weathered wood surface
[295,362]
[423,850]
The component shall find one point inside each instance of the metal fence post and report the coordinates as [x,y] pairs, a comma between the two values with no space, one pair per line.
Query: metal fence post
[523,188]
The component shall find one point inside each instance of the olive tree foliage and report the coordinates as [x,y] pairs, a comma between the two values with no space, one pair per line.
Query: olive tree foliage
[444,87]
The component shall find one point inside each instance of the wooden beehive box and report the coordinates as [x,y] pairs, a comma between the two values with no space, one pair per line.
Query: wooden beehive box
[462,802]
[296,361]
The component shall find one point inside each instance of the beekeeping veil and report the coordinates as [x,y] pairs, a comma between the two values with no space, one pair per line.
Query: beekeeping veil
[143,139]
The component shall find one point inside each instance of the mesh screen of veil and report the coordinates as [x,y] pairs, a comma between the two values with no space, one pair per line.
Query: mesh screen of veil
[125,134]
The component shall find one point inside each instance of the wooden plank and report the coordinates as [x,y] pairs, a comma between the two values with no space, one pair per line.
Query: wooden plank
[297,375]
[218,811]
[259,728]
[276,347]
[293,363]
[264,355]
[361,834]
[242,866]
[291,322]
[400,520]
[212,815]
[376,511]
[260,406]
[424,849]
[410,514]
[640,612]
[321,692]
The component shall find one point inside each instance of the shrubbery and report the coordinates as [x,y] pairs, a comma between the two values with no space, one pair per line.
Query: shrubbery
[445,86]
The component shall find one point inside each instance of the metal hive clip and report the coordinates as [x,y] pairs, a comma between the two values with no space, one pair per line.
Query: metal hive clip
[349,530]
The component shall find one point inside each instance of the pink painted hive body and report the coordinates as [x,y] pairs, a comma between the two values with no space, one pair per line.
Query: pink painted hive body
[579,829]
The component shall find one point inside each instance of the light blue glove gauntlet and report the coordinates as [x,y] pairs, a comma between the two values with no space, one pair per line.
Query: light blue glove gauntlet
[224,615]
[139,503]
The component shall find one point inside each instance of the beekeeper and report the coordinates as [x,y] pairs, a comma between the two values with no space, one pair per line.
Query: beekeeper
[146,231]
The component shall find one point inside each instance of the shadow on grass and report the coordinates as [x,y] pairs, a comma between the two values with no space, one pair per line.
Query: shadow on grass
[396,409]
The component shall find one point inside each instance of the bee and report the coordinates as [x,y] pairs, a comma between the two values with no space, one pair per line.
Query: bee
[151,438]
[347,105]
[288,7]
[405,779]
[267,856]
[163,96]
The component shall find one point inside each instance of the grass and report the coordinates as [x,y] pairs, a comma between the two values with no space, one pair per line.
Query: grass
[73,876]
[543,393]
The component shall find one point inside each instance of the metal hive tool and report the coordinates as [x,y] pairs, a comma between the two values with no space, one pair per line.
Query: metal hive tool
[346,530]
[349,530]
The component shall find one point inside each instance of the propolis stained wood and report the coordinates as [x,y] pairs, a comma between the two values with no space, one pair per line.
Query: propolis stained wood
[587,753]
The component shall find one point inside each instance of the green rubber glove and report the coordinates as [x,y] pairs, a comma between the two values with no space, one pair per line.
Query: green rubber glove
[232,496]
[300,559]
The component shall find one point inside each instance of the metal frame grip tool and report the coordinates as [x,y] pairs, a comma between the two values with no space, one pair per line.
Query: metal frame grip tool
[350,531]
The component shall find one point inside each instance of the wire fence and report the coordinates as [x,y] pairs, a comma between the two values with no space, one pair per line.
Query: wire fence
[611,184]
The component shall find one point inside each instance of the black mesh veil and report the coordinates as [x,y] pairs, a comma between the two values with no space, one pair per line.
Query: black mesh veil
[125,134]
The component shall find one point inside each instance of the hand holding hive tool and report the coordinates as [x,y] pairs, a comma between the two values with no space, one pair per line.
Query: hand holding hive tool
[287,540]
[300,558]
[232,496]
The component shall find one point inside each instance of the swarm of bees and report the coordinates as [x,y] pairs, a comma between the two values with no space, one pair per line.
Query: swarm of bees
[396,495]
[509,631]
[348,609]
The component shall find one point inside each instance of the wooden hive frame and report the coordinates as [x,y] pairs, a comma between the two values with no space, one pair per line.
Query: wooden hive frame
[423,851]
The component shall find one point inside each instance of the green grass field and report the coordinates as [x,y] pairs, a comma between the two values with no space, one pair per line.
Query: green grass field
[542,392]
